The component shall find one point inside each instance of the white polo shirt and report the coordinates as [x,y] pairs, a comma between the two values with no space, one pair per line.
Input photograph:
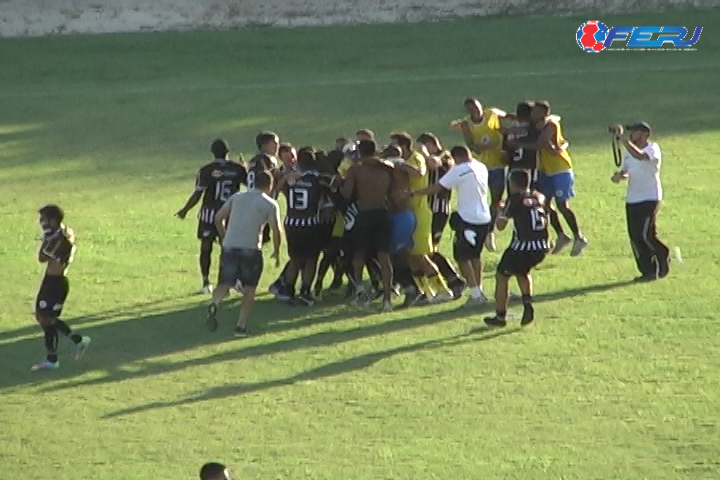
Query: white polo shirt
[470,179]
[643,175]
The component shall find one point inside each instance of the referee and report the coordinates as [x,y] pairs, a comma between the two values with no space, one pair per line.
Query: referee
[641,168]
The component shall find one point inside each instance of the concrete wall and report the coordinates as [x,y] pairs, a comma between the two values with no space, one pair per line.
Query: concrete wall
[49,17]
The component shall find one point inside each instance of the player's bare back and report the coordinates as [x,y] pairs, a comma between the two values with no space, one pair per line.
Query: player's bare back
[373,179]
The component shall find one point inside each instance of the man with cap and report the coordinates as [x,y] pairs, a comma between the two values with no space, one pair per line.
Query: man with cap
[641,168]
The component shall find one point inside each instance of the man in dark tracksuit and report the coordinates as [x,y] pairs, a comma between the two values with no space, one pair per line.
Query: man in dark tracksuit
[641,168]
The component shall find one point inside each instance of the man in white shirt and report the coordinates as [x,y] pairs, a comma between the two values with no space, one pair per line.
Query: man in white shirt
[641,168]
[471,221]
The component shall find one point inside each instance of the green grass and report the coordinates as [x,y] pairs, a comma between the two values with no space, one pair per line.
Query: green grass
[615,381]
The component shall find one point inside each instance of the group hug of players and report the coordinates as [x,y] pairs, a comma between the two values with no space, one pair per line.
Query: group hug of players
[385,209]
[359,206]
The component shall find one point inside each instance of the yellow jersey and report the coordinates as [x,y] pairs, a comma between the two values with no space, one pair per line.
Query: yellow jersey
[418,162]
[550,163]
[488,131]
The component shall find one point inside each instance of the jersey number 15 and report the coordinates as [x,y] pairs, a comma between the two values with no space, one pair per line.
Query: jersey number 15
[538,219]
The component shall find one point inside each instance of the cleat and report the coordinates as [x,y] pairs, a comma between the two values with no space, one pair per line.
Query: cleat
[411,299]
[206,289]
[458,288]
[212,321]
[490,242]
[422,301]
[279,291]
[495,322]
[241,332]
[562,242]
[579,245]
[305,300]
[387,307]
[441,298]
[476,302]
[45,365]
[82,347]
[645,278]
[528,315]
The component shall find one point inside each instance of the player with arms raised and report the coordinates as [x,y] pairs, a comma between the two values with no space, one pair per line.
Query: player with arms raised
[56,251]
[215,183]
[528,247]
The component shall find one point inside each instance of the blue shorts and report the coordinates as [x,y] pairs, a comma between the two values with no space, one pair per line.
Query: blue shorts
[403,227]
[496,178]
[558,186]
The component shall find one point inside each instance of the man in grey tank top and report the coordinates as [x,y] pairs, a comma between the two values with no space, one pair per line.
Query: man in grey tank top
[240,224]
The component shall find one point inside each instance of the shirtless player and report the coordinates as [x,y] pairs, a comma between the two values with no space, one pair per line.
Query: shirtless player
[370,181]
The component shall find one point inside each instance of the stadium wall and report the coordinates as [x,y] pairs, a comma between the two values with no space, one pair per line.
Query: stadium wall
[53,17]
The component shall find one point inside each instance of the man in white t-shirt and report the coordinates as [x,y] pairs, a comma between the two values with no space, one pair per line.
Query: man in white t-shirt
[641,168]
[471,221]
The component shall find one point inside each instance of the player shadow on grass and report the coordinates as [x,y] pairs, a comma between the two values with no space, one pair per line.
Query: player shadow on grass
[140,307]
[123,344]
[279,322]
[126,349]
[323,371]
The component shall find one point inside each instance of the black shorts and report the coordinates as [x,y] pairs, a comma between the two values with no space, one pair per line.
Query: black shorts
[207,231]
[304,242]
[519,262]
[372,231]
[242,264]
[469,238]
[51,297]
[439,220]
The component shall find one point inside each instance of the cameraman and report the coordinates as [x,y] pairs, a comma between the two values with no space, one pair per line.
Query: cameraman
[641,168]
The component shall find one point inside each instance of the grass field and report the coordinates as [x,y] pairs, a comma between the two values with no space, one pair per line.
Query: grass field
[615,381]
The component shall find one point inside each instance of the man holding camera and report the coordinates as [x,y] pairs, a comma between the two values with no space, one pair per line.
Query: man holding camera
[641,168]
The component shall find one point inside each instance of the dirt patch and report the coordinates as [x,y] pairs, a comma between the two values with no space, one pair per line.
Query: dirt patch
[49,17]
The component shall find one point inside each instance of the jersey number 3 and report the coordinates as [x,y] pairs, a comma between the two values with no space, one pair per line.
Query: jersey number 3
[298,199]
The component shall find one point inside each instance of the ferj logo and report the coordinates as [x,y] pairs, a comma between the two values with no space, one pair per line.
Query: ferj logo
[595,36]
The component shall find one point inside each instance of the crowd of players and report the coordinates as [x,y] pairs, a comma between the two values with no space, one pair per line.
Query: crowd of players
[386,208]
[360,206]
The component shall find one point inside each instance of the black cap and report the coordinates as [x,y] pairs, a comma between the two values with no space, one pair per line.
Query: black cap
[642,126]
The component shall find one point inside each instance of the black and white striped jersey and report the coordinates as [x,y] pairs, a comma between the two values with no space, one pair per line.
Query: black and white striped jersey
[303,199]
[527,211]
[440,203]
[218,180]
